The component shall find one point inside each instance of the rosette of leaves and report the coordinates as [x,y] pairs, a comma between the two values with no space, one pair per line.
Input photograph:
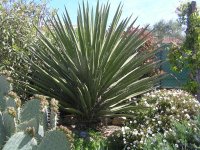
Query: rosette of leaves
[92,71]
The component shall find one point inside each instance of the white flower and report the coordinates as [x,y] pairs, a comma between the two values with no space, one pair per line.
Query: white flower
[149,131]
[187,116]
[173,108]
[159,122]
[148,94]
[176,145]
[135,132]
[165,133]
[123,130]
[126,128]
[124,139]
[142,133]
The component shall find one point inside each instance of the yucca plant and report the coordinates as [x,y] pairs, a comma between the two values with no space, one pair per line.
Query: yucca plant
[92,70]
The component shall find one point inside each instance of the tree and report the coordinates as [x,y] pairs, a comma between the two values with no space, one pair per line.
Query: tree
[168,29]
[188,54]
[18,22]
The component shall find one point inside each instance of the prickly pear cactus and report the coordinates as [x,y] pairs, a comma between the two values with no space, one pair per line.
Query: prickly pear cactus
[9,121]
[5,86]
[31,123]
[2,131]
[21,141]
[30,109]
[54,140]
[54,113]
[34,120]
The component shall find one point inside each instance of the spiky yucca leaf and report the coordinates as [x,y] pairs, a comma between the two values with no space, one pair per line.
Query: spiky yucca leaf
[92,71]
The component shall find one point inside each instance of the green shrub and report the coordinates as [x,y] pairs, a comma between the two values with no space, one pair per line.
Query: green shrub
[92,71]
[115,141]
[90,140]
[184,135]
[158,142]
[17,31]
[164,107]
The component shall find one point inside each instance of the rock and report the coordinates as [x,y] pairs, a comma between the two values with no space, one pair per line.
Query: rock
[109,130]
[118,121]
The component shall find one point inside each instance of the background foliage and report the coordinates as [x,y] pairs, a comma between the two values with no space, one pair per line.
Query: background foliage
[18,22]
[188,54]
[169,28]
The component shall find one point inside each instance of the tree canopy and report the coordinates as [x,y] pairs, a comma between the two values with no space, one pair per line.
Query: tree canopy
[17,26]
[168,29]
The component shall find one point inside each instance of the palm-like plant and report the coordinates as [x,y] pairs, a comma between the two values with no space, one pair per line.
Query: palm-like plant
[92,71]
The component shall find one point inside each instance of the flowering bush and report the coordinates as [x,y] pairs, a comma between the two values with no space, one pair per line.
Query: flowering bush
[184,135]
[164,107]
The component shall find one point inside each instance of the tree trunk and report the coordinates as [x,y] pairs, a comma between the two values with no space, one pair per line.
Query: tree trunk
[192,8]
[198,81]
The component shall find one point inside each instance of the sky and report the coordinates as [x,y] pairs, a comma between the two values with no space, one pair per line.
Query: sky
[147,11]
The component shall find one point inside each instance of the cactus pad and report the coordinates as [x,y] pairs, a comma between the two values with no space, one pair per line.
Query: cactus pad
[54,140]
[30,110]
[2,131]
[9,123]
[31,123]
[5,86]
[20,141]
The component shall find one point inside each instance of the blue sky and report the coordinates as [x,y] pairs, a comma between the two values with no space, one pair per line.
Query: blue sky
[147,11]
